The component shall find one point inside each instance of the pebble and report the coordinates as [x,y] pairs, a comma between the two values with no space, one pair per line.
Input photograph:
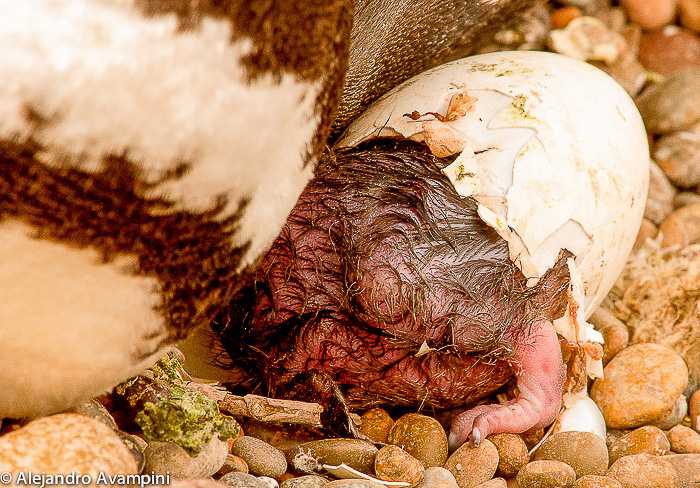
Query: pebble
[626,70]
[646,231]
[661,195]
[422,437]
[355,453]
[644,440]
[694,411]
[512,453]
[166,457]
[616,336]
[690,14]
[678,155]
[262,459]
[473,465]
[546,474]
[675,416]
[669,50]
[242,480]
[193,483]
[437,477]
[583,451]
[641,383]
[672,105]
[682,227]
[561,17]
[493,483]
[63,443]
[685,198]
[231,465]
[687,468]
[394,464]
[596,481]
[684,440]
[650,14]
[97,411]
[376,424]
[308,481]
[644,471]
[136,446]
[270,482]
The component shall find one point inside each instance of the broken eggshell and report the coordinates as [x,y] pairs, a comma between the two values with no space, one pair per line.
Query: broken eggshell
[553,149]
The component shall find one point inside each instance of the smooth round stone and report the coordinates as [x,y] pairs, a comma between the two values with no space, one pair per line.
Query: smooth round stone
[644,471]
[694,411]
[376,424]
[242,480]
[308,481]
[669,50]
[262,459]
[233,464]
[422,437]
[596,481]
[650,14]
[560,18]
[685,198]
[646,231]
[644,440]
[136,446]
[493,483]
[193,483]
[355,453]
[270,482]
[437,477]
[684,440]
[672,105]
[473,465]
[394,464]
[682,227]
[687,468]
[690,14]
[678,156]
[63,443]
[166,457]
[583,451]
[96,410]
[546,474]
[512,453]
[675,416]
[642,383]
[661,195]
[616,337]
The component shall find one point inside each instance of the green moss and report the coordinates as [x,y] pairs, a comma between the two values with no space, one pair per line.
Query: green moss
[184,417]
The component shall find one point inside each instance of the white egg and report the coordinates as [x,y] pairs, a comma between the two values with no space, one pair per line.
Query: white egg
[552,148]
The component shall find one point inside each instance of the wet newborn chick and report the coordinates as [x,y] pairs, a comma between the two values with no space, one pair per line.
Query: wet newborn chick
[388,281]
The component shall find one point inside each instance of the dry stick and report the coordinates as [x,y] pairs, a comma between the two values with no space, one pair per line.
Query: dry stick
[272,409]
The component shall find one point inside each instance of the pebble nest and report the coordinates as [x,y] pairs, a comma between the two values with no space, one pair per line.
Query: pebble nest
[650,320]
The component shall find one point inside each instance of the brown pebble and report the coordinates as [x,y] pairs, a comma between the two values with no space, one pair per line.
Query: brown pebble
[546,474]
[690,14]
[583,451]
[596,481]
[678,155]
[394,464]
[684,440]
[422,437]
[650,14]
[355,453]
[376,424]
[647,439]
[640,384]
[561,17]
[682,227]
[661,195]
[512,453]
[493,483]
[616,336]
[473,465]
[687,468]
[672,105]
[694,411]
[685,198]
[644,471]
[231,465]
[669,50]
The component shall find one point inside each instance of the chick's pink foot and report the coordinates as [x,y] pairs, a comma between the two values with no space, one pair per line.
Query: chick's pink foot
[540,372]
